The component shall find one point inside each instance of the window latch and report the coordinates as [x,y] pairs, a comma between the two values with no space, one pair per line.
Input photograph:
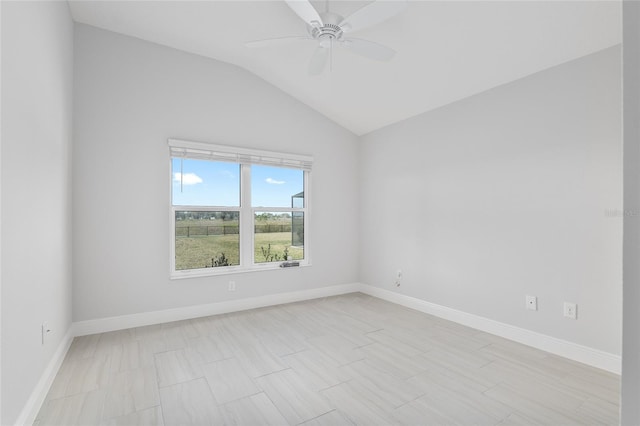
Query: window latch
[289,264]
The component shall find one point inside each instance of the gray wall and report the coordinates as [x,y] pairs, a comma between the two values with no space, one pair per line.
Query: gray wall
[630,409]
[480,202]
[504,194]
[37,72]
[130,96]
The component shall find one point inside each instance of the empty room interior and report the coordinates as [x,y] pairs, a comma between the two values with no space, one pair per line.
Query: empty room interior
[320,212]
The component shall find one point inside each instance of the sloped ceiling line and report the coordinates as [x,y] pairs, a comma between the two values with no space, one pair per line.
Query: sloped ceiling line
[447,50]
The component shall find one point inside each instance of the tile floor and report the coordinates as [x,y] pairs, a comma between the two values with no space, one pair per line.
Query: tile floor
[344,360]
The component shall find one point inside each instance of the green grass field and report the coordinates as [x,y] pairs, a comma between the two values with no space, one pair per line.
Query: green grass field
[205,239]
[196,252]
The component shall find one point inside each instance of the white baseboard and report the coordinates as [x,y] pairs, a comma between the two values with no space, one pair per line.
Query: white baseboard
[584,354]
[32,407]
[82,328]
[590,356]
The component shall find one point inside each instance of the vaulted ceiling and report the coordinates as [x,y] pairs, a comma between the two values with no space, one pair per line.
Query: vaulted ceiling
[447,50]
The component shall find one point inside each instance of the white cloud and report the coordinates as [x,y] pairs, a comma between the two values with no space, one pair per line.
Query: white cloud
[187,178]
[274,182]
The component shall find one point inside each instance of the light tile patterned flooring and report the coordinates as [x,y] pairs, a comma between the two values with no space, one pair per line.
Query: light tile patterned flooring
[342,360]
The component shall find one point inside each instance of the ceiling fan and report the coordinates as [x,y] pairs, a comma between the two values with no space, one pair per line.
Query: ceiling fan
[328,29]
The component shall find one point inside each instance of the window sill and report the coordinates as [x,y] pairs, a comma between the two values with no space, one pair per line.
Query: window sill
[212,272]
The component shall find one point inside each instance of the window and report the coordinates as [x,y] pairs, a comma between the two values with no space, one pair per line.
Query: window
[235,209]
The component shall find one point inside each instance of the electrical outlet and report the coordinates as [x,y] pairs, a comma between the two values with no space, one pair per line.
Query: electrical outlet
[532,303]
[232,286]
[398,277]
[45,330]
[570,310]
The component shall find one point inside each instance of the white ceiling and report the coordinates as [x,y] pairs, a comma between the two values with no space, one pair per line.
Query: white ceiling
[447,50]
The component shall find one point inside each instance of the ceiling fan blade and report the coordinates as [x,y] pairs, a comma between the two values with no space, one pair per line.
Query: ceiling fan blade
[305,11]
[275,41]
[372,14]
[369,49]
[319,60]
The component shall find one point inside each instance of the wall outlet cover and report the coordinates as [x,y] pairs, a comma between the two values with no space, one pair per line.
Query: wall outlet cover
[531,303]
[45,330]
[570,310]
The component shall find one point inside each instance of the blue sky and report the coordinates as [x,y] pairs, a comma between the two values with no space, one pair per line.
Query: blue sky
[209,183]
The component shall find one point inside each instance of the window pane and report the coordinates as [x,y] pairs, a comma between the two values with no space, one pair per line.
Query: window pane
[276,187]
[205,183]
[278,236]
[207,239]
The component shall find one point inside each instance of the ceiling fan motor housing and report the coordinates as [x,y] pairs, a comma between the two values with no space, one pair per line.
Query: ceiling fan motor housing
[329,31]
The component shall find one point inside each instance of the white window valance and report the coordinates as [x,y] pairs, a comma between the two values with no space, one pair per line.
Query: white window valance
[213,152]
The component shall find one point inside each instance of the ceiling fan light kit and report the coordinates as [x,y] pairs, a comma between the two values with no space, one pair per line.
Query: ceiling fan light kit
[327,29]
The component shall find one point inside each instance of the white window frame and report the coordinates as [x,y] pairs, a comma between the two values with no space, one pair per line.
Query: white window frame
[245,157]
